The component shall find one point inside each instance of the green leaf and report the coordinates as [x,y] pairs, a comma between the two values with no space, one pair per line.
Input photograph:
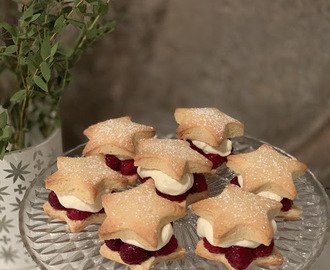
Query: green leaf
[54,49]
[6,133]
[28,13]
[3,119]
[18,96]
[45,71]
[60,25]
[3,146]
[10,49]
[40,82]
[45,48]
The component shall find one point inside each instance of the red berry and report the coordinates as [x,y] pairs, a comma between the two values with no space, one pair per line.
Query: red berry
[170,247]
[113,162]
[214,249]
[54,202]
[75,214]
[286,204]
[239,257]
[234,181]
[199,183]
[114,244]
[127,167]
[142,180]
[216,159]
[264,251]
[177,198]
[131,254]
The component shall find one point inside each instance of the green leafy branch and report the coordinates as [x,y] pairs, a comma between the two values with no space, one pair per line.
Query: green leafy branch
[37,55]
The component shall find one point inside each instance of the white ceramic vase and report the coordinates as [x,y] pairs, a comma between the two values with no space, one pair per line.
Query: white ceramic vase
[17,170]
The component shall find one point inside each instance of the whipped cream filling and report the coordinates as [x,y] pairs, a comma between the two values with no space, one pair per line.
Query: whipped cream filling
[165,237]
[224,149]
[205,229]
[266,194]
[69,201]
[167,184]
[120,157]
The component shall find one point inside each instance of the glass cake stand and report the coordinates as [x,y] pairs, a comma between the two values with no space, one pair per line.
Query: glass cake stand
[52,246]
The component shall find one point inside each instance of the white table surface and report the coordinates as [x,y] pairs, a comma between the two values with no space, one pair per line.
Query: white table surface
[323,262]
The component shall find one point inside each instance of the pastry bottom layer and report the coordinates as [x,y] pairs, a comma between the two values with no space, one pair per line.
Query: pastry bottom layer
[147,264]
[274,259]
[74,225]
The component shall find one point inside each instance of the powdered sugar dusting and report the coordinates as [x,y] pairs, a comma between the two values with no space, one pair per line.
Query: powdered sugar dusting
[178,151]
[210,118]
[92,169]
[119,130]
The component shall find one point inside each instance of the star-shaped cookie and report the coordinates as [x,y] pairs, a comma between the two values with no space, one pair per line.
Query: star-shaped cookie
[116,136]
[267,170]
[208,125]
[138,214]
[84,177]
[236,214]
[171,156]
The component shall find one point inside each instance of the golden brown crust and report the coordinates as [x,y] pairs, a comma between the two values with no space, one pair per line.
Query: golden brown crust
[116,136]
[84,177]
[74,225]
[113,255]
[274,259]
[267,170]
[138,214]
[208,125]
[236,214]
[293,214]
[171,156]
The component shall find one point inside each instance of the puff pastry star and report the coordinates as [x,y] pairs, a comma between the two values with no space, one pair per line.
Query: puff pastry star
[207,125]
[84,177]
[266,169]
[138,214]
[116,136]
[171,156]
[236,214]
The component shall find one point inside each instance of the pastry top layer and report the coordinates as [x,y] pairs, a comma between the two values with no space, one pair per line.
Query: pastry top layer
[115,136]
[171,156]
[267,170]
[208,125]
[138,214]
[236,214]
[84,177]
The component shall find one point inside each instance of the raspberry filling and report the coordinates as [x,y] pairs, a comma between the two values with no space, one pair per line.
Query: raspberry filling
[216,159]
[198,186]
[240,257]
[71,213]
[132,254]
[286,203]
[126,167]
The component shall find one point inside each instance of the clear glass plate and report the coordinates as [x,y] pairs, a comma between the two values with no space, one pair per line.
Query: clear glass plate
[52,246]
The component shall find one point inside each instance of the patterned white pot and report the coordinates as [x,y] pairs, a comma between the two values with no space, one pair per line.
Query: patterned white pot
[17,170]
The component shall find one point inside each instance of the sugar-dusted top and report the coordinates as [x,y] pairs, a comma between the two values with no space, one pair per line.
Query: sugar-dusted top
[177,153]
[139,210]
[212,121]
[264,166]
[236,207]
[120,132]
[90,169]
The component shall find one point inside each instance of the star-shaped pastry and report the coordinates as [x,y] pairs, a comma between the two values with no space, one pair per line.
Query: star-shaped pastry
[116,136]
[236,215]
[84,177]
[207,125]
[138,214]
[171,156]
[267,170]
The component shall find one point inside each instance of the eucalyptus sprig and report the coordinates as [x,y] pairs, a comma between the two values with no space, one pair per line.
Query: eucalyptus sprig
[36,52]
